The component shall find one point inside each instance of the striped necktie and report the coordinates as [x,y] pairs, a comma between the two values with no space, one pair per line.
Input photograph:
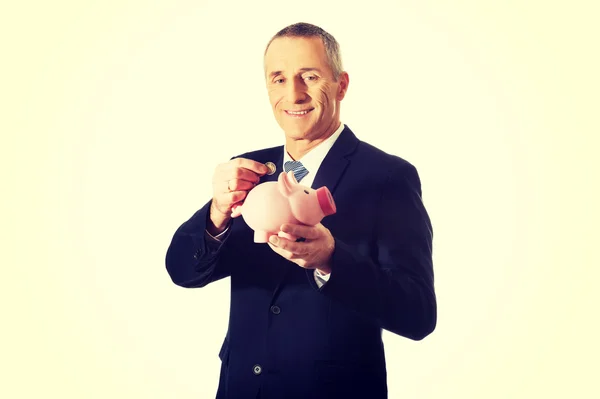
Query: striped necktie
[296,166]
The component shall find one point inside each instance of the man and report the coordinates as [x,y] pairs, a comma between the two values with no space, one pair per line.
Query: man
[306,317]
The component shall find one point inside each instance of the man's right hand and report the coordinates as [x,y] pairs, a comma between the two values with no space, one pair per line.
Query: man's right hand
[231,182]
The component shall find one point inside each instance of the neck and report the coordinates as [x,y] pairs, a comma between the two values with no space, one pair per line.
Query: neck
[297,148]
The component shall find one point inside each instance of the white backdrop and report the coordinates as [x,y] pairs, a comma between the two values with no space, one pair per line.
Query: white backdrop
[116,114]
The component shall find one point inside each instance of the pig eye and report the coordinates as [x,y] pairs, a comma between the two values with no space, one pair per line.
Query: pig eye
[306,191]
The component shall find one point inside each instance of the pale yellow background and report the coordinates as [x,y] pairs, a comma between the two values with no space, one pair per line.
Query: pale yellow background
[114,113]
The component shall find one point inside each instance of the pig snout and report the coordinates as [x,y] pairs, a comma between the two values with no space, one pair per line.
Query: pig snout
[310,206]
[326,201]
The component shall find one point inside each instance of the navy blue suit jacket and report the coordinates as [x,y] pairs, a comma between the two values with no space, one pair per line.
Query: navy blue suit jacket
[289,338]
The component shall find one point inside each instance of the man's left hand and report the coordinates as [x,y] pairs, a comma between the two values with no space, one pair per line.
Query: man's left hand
[313,253]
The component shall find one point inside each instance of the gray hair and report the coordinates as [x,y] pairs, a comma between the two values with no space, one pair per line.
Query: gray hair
[332,47]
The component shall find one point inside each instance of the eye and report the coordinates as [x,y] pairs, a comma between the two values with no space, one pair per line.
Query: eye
[306,192]
[278,80]
[310,77]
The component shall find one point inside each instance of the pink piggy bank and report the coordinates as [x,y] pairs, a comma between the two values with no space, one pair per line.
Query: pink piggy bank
[271,204]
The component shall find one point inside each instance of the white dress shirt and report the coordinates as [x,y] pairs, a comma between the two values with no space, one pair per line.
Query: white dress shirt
[312,162]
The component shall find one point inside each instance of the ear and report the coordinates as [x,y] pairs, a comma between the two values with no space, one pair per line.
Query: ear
[284,186]
[343,82]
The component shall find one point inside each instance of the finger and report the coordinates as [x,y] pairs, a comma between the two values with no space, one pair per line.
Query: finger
[297,259]
[227,200]
[239,185]
[249,164]
[236,196]
[282,252]
[244,174]
[298,230]
[295,248]
[230,171]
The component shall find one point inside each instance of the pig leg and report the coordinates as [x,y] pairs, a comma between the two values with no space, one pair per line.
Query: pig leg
[236,210]
[261,236]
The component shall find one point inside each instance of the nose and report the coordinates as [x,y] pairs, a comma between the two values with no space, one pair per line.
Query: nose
[296,91]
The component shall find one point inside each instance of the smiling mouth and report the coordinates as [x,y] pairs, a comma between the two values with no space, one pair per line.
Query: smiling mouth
[298,113]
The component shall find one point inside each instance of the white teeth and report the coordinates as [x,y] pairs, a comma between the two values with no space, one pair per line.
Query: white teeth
[297,113]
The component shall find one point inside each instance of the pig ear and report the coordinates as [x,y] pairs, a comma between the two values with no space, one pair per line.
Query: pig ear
[292,178]
[284,185]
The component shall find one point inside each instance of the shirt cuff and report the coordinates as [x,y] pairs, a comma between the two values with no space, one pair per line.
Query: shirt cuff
[218,237]
[320,278]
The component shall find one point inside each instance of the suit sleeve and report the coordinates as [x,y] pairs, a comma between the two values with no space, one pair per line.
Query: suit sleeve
[396,285]
[193,259]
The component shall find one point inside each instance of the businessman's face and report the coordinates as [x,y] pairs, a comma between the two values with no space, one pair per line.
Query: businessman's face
[303,93]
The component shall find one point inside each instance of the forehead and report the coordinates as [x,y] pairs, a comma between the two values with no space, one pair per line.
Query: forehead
[291,53]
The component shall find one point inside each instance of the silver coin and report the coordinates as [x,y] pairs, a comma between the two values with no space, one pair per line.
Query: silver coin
[272,167]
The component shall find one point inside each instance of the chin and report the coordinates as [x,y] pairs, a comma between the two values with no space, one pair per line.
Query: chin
[292,130]
[297,133]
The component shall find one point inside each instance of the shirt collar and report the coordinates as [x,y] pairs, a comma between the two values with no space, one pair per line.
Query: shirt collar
[313,159]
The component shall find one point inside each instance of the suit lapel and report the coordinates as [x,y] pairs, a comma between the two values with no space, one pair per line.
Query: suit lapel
[336,161]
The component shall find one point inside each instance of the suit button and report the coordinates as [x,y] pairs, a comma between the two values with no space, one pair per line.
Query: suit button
[197,254]
[275,309]
[257,369]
